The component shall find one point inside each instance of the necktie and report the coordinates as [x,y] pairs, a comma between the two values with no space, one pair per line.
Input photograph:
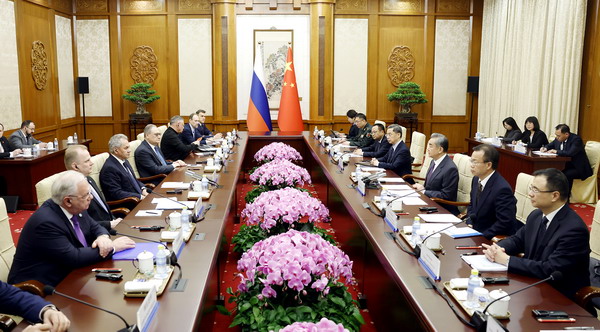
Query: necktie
[562,146]
[429,171]
[78,231]
[479,190]
[193,132]
[159,155]
[1,148]
[540,237]
[132,179]
[97,198]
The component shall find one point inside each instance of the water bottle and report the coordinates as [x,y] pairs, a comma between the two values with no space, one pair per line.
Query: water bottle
[162,270]
[35,149]
[204,183]
[316,132]
[474,282]
[416,227]
[75,137]
[55,143]
[185,220]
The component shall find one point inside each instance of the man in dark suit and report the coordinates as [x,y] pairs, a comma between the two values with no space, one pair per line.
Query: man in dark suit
[33,308]
[23,138]
[61,236]
[380,145]
[6,150]
[353,131]
[568,144]
[171,146]
[493,207]
[442,177]
[398,157]
[148,157]
[77,158]
[191,132]
[554,237]
[204,131]
[363,138]
[116,176]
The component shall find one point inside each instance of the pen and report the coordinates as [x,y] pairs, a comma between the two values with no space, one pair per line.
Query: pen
[151,212]
[470,254]
[106,270]
[468,247]
[556,320]
[402,213]
[576,328]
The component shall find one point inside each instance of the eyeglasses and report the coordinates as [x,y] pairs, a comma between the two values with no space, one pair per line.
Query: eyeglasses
[537,191]
[475,162]
[84,196]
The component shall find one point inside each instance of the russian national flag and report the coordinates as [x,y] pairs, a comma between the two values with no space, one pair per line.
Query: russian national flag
[259,118]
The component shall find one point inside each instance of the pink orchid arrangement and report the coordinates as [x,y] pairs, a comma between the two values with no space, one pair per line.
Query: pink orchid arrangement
[277,150]
[285,205]
[280,173]
[324,325]
[293,260]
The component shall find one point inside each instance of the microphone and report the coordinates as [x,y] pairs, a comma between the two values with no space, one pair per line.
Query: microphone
[397,198]
[479,318]
[198,177]
[150,191]
[49,290]
[417,249]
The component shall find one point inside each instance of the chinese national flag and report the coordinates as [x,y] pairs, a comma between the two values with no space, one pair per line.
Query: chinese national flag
[290,117]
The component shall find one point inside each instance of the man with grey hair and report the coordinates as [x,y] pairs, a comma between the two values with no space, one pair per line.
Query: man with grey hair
[442,176]
[116,176]
[171,146]
[148,157]
[61,236]
[398,157]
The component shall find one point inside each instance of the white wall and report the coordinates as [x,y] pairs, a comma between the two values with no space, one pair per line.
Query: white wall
[10,94]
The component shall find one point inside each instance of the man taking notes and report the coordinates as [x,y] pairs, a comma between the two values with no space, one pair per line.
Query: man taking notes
[23,138]
[554,237]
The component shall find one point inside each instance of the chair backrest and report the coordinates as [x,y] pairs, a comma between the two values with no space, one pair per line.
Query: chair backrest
[595,234]
[403,134]
[98,161]
[592,149]
[43,187]
[524,206]
[425,167]
[465,177]
[140,136]
[162,129]
[133,145]
[417,147]
[7,246]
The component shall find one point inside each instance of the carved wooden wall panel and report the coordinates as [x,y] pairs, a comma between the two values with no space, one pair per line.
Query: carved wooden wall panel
[400,65]
[91,6]
[453,6]
[351,6]
[143,65]
[39,65]
[194,5]
[63,5]
[403,6]
[134,6]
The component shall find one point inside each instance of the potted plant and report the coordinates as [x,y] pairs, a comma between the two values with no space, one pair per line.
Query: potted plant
[408,94]
[140,94]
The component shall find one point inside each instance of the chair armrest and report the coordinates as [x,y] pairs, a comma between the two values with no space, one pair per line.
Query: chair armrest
[416,165]
[120,212]
[149,185]
[128,202]
[410,176]
[32,286]
[443,201]
[150,179]
[499,238]
[584,297]
[7,323]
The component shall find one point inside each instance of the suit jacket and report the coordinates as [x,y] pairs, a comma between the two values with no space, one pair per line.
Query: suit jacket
[172,147]
[377,149]
[575,149]
[186,135]
[48,249]
[363,138]
[96,211]
[14,301]
[116,183]
[494,213]
[204,131]
[539,139]
[443,183]
[353,131]
[564,247]
[512,135]
[398,160]
[18,140]
[148,163]
[6,147]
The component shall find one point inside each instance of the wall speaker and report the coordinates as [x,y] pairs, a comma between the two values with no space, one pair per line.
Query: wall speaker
[83,85]
[473,84]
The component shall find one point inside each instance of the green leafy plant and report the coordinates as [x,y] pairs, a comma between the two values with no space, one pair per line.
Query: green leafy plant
[248,235]
[407,95]
[140,94]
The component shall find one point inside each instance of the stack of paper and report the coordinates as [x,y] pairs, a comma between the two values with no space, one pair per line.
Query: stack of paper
[482,264]
[174,205]
[175,185]
[439,217]
[545,154]
[461,232]
[391,180]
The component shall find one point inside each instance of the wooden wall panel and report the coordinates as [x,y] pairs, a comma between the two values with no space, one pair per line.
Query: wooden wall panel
[455,133]
[149,31]
[100,131]
[589,102]
[35,22]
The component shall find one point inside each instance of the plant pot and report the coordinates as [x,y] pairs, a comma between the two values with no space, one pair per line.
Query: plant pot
[141,109]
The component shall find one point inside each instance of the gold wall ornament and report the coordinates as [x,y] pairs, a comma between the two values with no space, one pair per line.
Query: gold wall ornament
[401,65]
[351,5]
[144,65]
[90,6]
[191,5]
[39,65]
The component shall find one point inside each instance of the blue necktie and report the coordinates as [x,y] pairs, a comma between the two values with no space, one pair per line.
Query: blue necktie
[132,179]
[160,157]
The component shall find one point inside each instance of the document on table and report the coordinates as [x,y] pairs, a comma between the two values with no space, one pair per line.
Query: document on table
[439,217]
[397,187]
[482,264]
[392,180]
[412,201]
[545,154]
[406,193]
[428,228]
[175,185]
[460,232]
[372,169]
[168,204]
[156,200]
[149,213]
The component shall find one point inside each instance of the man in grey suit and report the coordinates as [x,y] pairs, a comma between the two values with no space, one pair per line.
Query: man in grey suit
[149,158]
[442,177]
[23,138]
[77,158]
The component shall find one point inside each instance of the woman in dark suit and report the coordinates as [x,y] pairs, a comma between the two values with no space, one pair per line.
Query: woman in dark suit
[513,132]
[533,136]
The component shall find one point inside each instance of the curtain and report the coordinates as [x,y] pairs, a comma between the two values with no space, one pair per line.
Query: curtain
[531,57]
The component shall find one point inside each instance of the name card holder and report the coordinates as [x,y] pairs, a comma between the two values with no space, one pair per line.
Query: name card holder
[360,186]
[391,218]
[430,263]
[147,310]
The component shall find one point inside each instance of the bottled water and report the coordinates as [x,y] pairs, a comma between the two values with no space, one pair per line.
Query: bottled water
[75,137]
[185,220]
[55,143]
[162,270]
[474,282]
[204,183]
[416,228]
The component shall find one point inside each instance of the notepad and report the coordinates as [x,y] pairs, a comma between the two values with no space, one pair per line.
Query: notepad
[392,180]
[168,204]
[149,213]
[461,232]
[439,217]
[397,187]
[482,264]
[175,185]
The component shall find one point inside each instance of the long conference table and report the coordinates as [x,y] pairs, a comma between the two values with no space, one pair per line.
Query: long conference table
[390,279]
